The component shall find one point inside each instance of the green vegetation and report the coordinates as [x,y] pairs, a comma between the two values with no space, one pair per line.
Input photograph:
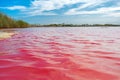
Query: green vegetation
[74,25]
[7,22]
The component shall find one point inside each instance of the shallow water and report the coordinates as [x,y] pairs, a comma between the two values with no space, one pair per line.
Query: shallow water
[61,54]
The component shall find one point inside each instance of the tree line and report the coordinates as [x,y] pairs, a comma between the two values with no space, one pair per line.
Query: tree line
[7,22]
[73,25]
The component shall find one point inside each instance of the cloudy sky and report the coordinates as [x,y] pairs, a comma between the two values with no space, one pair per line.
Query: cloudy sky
[63,11]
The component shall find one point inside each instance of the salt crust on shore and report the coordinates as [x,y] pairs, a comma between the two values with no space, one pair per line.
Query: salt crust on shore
[4,35]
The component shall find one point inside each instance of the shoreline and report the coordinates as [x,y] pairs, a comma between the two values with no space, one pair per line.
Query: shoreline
[5,35]
[39,26]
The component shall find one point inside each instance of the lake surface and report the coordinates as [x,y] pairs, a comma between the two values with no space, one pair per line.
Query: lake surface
[61,54]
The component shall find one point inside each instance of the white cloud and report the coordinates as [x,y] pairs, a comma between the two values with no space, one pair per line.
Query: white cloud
[45,5]
[113,11]
[106,11]
[87,4]
[48,7]
[38,12]
[16,8]
[114,14]
[41,6]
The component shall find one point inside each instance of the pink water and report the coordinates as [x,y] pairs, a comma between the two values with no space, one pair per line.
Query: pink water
[61,54]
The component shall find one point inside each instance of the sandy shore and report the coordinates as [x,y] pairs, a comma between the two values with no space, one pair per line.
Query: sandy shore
[4,35]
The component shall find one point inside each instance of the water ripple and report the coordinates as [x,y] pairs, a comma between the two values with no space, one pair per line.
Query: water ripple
[61,54]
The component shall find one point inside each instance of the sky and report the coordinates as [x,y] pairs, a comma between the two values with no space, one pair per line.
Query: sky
[63,11]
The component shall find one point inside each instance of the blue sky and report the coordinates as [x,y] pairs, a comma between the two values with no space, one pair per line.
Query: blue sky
[63,11]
